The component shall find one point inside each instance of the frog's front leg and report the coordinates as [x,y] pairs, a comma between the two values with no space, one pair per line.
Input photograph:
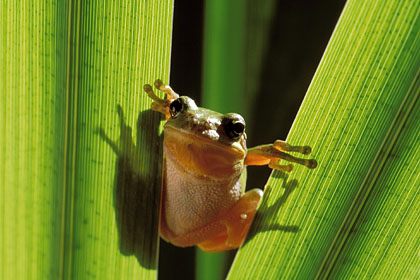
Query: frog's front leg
[236,223]
[270,154]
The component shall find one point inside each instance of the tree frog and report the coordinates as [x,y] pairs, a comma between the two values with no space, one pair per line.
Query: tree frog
[205,157]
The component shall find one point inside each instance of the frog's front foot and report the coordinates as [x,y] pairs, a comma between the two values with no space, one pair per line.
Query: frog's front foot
[270,154]
[159,104]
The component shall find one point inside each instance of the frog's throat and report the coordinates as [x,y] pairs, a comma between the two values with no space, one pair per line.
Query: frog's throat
[203,158]
[195,174]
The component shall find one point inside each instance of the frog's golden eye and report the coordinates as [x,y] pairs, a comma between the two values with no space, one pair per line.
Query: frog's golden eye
[176,107]
[234,126]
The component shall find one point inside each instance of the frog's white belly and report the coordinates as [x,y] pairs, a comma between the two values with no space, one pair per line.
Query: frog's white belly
[190,202]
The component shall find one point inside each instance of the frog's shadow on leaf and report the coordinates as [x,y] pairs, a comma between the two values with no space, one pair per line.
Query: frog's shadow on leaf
[267,212]
[135,188]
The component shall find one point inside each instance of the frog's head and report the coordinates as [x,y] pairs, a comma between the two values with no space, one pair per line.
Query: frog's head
[203,141]
[206,125]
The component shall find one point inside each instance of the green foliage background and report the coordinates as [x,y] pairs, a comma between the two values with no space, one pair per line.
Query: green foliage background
[66,66]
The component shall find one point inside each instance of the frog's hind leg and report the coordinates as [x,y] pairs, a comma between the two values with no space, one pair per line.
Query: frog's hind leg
[270,154]
[236,222]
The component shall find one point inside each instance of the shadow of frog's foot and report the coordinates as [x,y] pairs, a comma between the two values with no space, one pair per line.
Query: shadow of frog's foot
[124,146]
[268,213]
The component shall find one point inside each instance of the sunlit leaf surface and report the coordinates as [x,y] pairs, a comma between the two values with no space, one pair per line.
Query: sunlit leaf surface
[65,68]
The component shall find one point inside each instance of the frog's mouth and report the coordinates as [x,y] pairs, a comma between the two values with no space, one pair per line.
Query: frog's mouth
[203,155]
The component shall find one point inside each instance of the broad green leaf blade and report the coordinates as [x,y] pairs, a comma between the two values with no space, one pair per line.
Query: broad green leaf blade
[67,67]
[32,136]
[384,241]
[357,97]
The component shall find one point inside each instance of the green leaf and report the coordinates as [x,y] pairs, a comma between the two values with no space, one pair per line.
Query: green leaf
[354,216]
[386,227]
[65,68]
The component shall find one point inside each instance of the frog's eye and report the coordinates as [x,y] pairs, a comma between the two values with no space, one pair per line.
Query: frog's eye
[234,126]
[176,107]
